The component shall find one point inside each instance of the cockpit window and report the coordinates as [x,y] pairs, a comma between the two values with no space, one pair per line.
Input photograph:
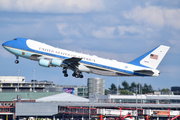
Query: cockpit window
[15,39]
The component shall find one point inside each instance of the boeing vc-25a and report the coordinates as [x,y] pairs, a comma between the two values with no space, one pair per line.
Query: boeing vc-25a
[48,56]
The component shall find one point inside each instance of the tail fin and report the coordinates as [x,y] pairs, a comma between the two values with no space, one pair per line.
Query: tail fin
[152,58]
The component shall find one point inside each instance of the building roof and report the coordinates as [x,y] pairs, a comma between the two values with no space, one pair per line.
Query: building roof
[143,96]
[10,96]
[62,97]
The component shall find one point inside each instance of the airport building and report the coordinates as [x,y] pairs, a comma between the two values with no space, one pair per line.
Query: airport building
[175,90]
[96,86]
[132,99]
[65,102]
[65,106]
[17,83]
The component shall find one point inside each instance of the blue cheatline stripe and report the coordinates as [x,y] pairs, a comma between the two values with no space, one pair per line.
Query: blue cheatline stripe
[18,52]
[137,60]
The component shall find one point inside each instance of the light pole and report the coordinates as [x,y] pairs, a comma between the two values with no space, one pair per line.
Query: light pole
[18,79]
[33,80]
[136,101]
[83,87]
[117,84]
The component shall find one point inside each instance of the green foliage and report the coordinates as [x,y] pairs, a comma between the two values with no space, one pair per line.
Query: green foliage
[113,87]
[133,87]
[165,90]
[105,92]
[146,89]
[125,85]
[124,92]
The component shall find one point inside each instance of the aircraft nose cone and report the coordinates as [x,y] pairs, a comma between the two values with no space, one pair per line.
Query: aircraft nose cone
[4,44]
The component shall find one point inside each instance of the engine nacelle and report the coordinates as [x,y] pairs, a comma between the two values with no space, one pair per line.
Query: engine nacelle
[44,62]
[56,62]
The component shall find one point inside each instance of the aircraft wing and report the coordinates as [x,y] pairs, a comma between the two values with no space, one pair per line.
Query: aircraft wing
[69,63]
[72,61]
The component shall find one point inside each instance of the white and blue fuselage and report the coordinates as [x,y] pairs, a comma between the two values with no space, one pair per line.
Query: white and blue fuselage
[48,56]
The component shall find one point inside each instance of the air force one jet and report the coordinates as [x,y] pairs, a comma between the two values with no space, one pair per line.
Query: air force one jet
[48,56]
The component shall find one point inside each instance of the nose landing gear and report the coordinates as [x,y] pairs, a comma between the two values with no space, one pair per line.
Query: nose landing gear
[17,61]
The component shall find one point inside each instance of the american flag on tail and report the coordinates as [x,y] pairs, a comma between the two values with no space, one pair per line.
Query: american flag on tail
[153,56]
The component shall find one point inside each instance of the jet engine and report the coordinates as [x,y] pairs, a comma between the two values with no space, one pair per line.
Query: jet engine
[44,62]
[56,62]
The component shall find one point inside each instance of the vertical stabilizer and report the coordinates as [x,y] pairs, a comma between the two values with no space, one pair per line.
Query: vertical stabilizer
[152,58]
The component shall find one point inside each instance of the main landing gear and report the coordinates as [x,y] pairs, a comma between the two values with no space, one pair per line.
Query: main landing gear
[17,61]
[76,75]
[65,72]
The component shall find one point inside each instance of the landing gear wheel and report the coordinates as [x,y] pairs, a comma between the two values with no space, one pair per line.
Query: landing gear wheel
[74,74]
[81,76]
[16,61]
[77,76]
[65,75]
[65,72]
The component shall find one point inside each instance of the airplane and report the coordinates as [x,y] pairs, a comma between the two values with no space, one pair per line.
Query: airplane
[49,56]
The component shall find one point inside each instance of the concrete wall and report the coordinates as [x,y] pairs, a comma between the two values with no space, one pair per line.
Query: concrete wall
[36,109]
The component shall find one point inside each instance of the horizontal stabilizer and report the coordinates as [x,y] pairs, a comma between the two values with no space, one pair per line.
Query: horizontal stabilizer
[144,72]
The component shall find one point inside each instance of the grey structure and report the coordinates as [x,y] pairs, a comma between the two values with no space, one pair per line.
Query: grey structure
[36,109]
[83,90]
[66,105]
[96,86]
[77,90]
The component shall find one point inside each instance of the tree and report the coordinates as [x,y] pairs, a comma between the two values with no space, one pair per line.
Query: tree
[133,87]
[145,88]
[165,90]
[105,92]
[124,92]
[125,85]
[150,89]
[113,87]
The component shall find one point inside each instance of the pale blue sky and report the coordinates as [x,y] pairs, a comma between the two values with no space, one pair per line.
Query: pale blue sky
[115,29]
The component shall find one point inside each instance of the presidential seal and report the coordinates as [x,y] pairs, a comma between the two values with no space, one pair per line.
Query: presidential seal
[23,53]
